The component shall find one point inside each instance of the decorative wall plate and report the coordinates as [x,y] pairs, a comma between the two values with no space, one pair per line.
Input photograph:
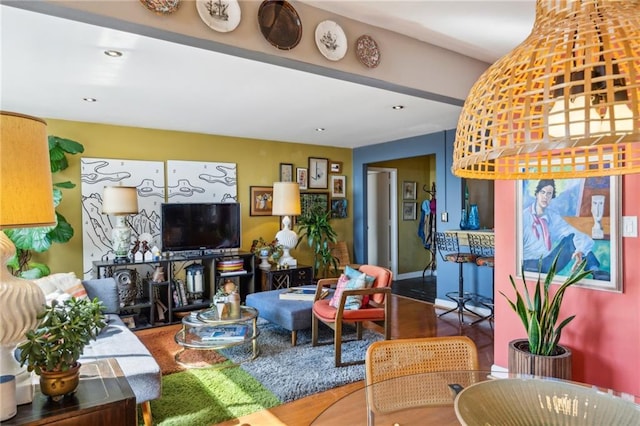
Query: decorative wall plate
[331,40]
[162,7]
[367,51]
[220,15]
[280,24]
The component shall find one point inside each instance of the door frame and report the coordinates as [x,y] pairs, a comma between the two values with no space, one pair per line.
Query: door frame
[393,201]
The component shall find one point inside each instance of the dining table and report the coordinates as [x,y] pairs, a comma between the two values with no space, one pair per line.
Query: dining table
[468,398]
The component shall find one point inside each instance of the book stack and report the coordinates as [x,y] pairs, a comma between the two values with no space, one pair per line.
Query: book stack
[223,333]
[301,293]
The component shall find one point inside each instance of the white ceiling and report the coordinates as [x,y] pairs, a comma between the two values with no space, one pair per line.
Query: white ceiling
[49,64]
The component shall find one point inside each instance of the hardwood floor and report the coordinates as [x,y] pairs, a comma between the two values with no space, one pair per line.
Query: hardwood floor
[411,318]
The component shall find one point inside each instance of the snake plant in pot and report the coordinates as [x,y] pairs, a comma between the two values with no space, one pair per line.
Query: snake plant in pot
[541,353]
[53,348]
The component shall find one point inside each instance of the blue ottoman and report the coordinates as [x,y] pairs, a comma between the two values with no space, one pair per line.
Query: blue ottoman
[291,315]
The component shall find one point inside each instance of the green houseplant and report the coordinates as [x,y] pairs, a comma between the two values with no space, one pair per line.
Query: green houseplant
[53,348]
[540,316]
[316,229]
[40,239]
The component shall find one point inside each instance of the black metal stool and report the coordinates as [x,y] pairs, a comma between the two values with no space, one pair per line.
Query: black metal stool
[449,249]
[483,247]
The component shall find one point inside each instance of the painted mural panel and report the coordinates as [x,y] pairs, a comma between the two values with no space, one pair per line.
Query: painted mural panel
[96,173]
[196,182]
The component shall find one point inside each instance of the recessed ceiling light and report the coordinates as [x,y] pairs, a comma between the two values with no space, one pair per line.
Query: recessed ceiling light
[113,53]
[90,99]
[398,107]
[320,129]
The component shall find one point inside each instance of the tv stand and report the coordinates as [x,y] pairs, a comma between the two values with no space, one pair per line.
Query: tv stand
[166,302]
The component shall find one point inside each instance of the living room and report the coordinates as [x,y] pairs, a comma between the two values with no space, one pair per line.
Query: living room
[605,319]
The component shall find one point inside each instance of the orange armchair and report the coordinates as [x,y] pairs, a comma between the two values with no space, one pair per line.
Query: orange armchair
[377,309]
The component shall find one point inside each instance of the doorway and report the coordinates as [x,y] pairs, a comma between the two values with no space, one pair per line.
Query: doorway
[382,218]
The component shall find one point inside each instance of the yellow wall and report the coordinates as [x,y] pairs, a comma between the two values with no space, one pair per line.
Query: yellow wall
[412,256]
[257,160]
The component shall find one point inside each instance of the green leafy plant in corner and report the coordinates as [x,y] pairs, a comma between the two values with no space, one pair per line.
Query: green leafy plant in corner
[65,328]
[40,239]
[316,229]
[540,314]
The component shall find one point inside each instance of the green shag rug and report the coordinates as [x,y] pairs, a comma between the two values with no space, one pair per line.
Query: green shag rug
[207,396]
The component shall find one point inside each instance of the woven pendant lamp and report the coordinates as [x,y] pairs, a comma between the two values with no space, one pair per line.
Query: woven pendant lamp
[564,103]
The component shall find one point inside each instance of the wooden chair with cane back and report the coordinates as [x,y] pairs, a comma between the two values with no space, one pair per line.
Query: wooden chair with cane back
[390,359]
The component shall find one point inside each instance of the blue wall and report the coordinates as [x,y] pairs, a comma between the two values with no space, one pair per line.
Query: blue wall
[449,199]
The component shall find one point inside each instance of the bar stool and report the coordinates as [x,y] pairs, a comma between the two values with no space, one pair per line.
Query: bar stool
[449,249]
[483,247]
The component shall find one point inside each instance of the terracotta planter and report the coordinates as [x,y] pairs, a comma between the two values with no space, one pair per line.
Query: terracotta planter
[57,384]
[523,362]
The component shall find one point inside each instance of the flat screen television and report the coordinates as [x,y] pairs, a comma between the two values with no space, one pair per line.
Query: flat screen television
[200,226]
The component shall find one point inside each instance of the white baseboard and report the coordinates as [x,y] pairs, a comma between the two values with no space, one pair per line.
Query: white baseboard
[449,304]
[409,275]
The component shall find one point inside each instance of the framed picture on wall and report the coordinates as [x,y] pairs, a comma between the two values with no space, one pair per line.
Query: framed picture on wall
[318,173]
[286,172]
[302,174]
[336,167]
[409,190]
[310,201]
[261,200]
[408,211]
[338,186]
[573,219]
[339,208]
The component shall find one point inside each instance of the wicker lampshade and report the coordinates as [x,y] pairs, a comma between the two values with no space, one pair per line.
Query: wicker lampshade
[564,103]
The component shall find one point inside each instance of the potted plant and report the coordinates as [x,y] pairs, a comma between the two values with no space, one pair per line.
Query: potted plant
[53,348]
[264,249]
[315,227]
[541,354]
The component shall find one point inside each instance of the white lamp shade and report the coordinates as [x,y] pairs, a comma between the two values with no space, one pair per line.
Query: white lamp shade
[26,191]
[286,199]
[120,200]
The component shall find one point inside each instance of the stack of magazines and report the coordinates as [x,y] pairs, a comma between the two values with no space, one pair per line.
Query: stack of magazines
[223,333]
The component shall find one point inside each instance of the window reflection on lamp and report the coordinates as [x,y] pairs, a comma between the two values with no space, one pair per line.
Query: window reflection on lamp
[286,202]
[26,200]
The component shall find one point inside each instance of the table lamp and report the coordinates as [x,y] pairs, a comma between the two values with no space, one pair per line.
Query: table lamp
[120,201]
[26,200]
[286,202]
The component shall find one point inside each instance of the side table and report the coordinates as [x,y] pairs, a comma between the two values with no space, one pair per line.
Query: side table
[189,338]
[103,397]
[275,279]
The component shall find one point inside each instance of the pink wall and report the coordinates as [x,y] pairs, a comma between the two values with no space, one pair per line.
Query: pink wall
[605,335]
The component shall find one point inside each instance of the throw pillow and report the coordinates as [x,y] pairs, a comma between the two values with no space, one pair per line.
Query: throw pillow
[352,302]
[354,273]
[70,284]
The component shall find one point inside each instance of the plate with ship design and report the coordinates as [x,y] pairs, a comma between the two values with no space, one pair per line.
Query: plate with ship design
[331,40]
[219,15]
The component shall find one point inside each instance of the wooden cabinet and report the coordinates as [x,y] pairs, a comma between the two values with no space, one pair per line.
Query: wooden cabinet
[103,397]
[165,302]
[273,279]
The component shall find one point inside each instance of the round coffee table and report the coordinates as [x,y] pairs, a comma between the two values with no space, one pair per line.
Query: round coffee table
[200,324]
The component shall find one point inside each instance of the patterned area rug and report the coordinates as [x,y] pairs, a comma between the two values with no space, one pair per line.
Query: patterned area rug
[290,372]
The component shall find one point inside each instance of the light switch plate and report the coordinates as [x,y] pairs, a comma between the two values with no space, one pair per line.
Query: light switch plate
[444,217]
[630,226]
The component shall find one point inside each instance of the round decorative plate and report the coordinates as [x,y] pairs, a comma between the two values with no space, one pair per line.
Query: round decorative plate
[220,15]
[331,40]
[162,7]
[367,51]
[280,24]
